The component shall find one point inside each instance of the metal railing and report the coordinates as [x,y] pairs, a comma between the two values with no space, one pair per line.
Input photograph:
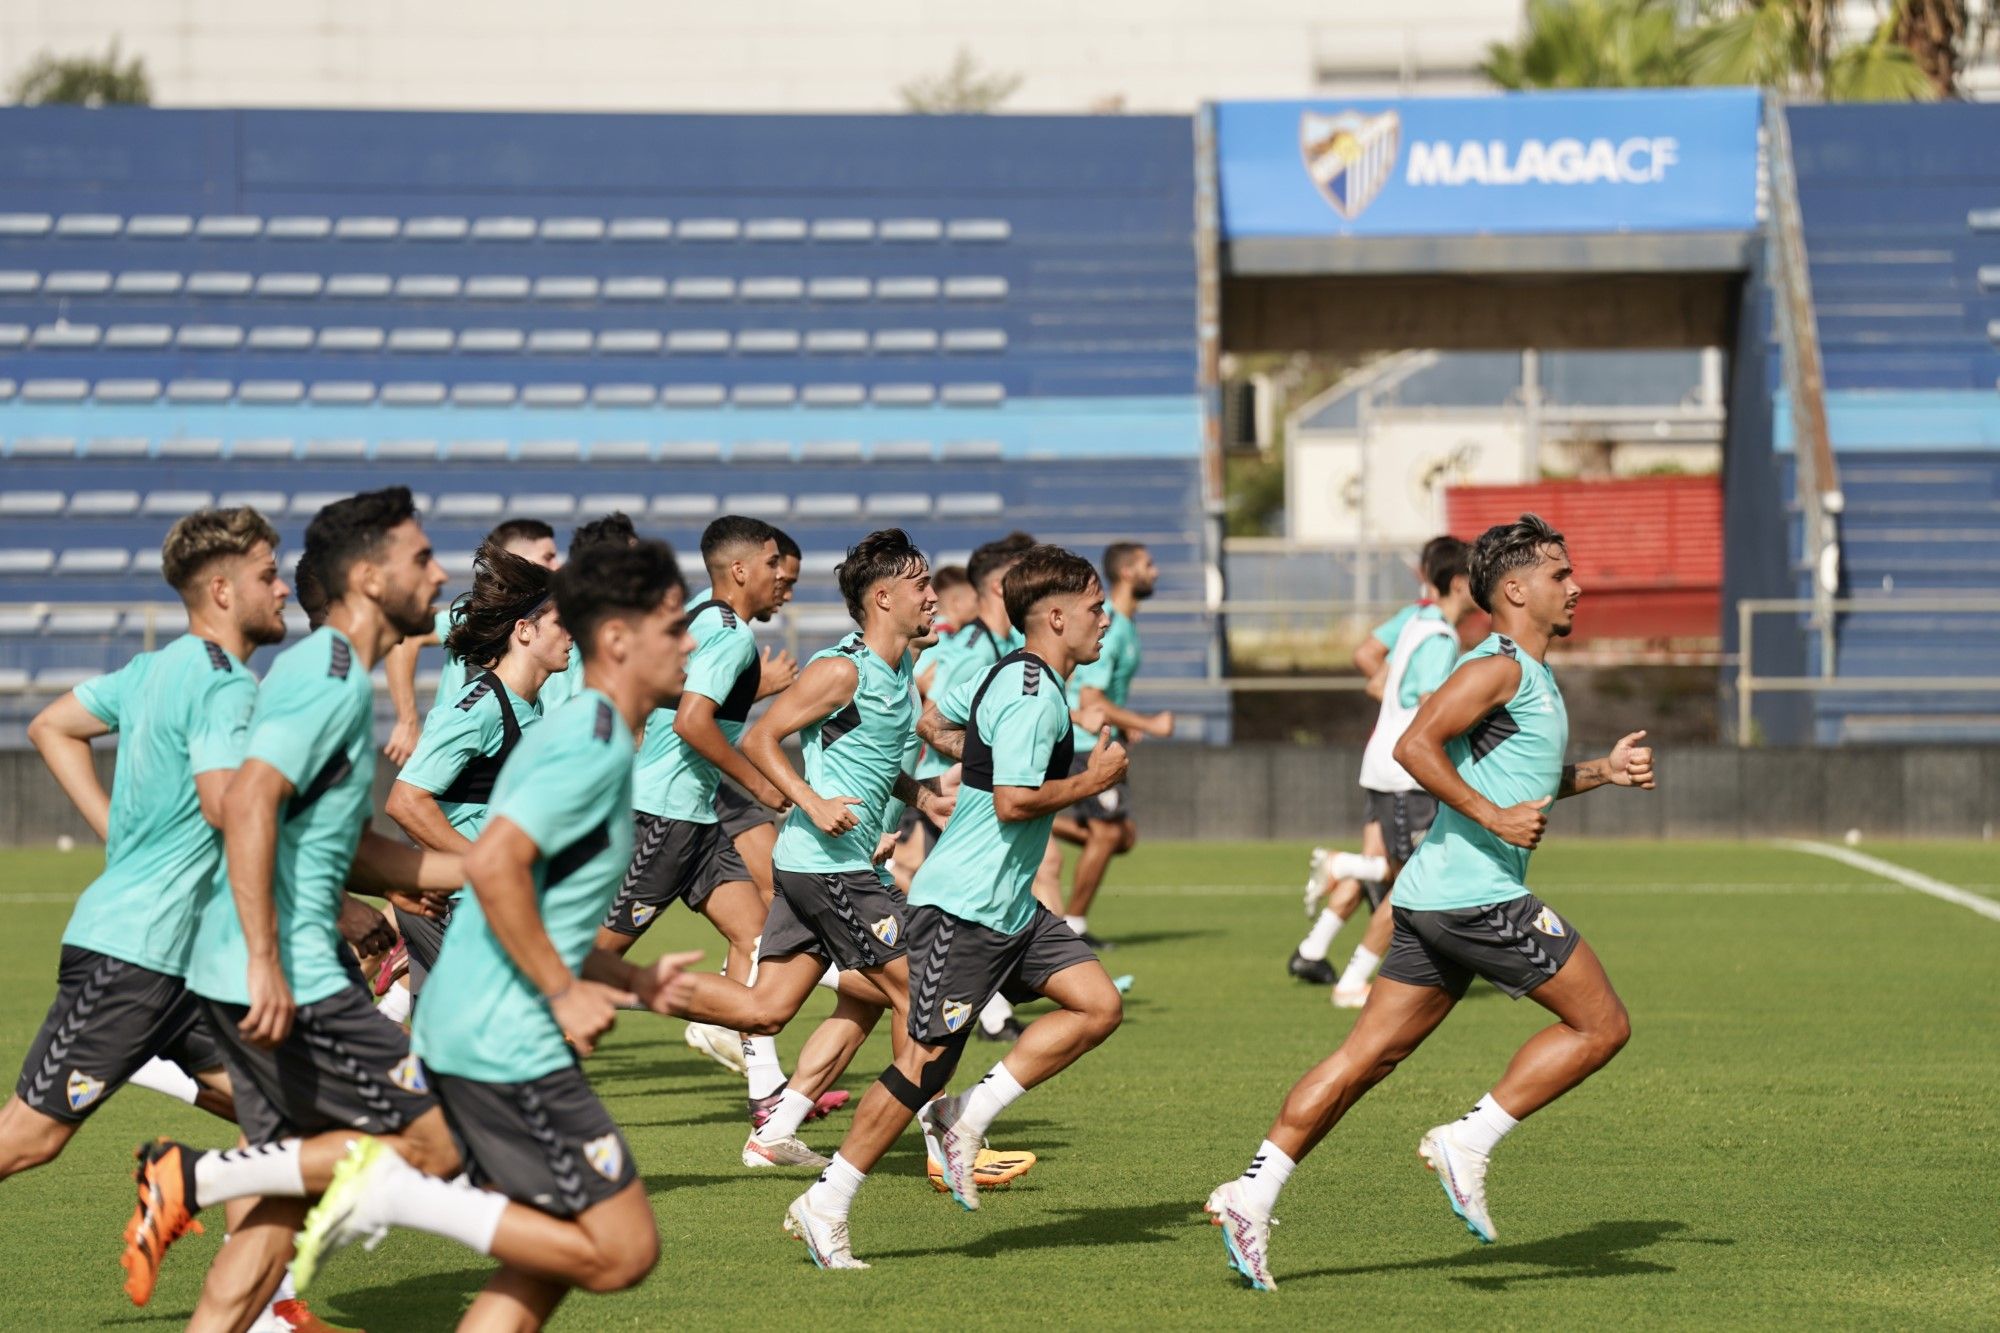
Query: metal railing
[1816,475]
[1749,684]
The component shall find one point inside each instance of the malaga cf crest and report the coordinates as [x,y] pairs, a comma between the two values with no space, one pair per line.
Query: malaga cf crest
[409,1075]
[606,1156]
[885,931]
[83,1089]
[1349,156]
[954,1013]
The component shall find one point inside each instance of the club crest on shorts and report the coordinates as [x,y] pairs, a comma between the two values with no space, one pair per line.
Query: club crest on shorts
[605,1155]
[83,1089]
[644,913]
[409,1075]
[1550,924]
[887,931]
[954,1013]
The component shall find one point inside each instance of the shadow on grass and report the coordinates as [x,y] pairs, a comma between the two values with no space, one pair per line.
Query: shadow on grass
[1140,938]
[1608,1249]
[428,1300]
[1136,1224]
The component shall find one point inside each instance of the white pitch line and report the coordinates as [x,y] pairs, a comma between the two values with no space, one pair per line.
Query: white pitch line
[1902,875]
[1638,889]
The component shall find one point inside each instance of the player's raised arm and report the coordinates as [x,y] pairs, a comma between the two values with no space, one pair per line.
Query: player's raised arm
[823,689]
[250,843]
[1629,764]
[62,733]
[1469,694]
[399,665]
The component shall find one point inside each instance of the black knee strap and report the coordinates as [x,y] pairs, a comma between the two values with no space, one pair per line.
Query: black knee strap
[935,1079]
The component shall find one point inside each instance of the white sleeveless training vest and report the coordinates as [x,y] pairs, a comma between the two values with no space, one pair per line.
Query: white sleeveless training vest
[1379,769]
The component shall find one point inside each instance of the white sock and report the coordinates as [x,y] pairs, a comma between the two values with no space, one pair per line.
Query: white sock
[1353,865]
[272,1171]
[396,1005]
[286,1291]
[791,1112]
[447,1208]
[1314,946]
[1079,924]
[760,1062]
[1359,968]
[1481,1129]
[1269,1170]
[995,1014]
[833,1193]
[166,1078]
[830,978]
[988,1098]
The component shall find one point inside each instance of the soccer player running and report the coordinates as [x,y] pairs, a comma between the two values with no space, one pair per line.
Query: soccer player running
[507,629]
[181,712]
[1425,652]
[973,920]
[679,852]
[1489,745]
[1336,881]
[529,538]
[310,1060]
[1102,688]
[519,993]
[855,710]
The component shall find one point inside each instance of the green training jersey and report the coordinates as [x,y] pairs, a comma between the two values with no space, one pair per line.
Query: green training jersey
[671,780]
[856,751]
[972,651]
[1017,734]
[568,786]
[1513,754]
[451,678]
[564,685]
[1431,661]
[315,723]
[464,743]
[180,711]
[1117,662]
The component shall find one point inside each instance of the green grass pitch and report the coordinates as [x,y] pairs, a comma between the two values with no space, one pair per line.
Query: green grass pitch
[1801,1133]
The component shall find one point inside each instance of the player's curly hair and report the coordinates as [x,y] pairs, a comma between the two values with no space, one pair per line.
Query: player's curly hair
[208,535]
[351,530]
[888,554]
[613,527]
[1042,572]
[506,589]
[1504,548]
[607,580]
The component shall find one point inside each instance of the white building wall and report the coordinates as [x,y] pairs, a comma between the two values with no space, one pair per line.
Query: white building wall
[1389,489]
[765,55]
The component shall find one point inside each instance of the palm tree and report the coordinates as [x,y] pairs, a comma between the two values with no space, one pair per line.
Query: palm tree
[1592,44]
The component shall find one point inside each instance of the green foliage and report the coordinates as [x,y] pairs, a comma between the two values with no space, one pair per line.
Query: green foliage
[83,81]
[1592,44]
[1254,490]
[962,89]
[1880,69]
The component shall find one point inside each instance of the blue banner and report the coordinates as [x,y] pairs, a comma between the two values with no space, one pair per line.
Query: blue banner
[1519,163]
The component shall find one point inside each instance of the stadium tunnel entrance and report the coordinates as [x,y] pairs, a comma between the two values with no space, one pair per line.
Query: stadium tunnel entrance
[1591,222]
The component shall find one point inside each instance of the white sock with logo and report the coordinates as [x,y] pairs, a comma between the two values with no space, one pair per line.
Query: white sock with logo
[1353,865]
[1359,968]
[1269,1170]
[830,978]
[988,1098]
[995,1015]
[1320,938]
[760,1063]
[272,1171]
[833,1193]
[1481,1129]
[791,1111]
[452,1209]
[166,1078]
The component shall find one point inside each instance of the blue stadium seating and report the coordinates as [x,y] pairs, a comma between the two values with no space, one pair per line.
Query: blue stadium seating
[1901,207]
[963,325]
